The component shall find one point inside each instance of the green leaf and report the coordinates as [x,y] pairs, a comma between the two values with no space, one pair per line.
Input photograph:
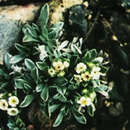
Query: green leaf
[35,27]
[90,111]
[27,86]
[59,118]
[93,53]
[52,108]
[60,97]
[27,101]
[79,117]
[52,35]
[90,55]
[43,39]
[103,87]
[44,15]
[50,44]
[30,34]
[39,88]
[19,83]
[62,91]
[29,38]
[45,32]
[3,85]
[55,29]
[17,58]
[22,49]
[35,74]
[42,66]
[7,60]
[11,125]
[29,64]
[45,93]
[61,81]
[2,73]
[30,30]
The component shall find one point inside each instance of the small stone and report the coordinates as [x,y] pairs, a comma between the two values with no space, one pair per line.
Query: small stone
[30,127]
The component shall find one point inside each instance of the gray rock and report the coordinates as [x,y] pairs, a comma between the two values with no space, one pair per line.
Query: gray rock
[10,27]
[9,34]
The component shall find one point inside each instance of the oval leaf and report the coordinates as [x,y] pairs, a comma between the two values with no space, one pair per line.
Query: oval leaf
[7,57]
[42,66]
[17,58]
[29,64]
[45,93]
[44,15]
[52,108]
[79,117]
[59,118]
[19,83]
[27,101]
[35,74]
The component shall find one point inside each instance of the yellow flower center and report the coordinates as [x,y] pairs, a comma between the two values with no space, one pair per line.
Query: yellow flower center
[85,76]
[58,67]
[4,105]
[83,102]
[13,111]
[13,101]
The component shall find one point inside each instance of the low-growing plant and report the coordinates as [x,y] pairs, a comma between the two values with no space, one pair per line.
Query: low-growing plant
[64,78]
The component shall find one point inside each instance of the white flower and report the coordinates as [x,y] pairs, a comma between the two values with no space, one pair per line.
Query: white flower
[58,65]
[43,53]
[12,111]
[78,78]
[42,56]
[17,69]
[84,101]
[96,72]
[42,49]
[51,72]
[86,76]
[66,64]
[3,105]
[80,67]
[13,101]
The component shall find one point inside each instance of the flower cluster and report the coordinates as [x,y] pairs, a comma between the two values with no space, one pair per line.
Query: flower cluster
[87,75]
[86,72]
[59,75]
[9,105]
[58,68]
